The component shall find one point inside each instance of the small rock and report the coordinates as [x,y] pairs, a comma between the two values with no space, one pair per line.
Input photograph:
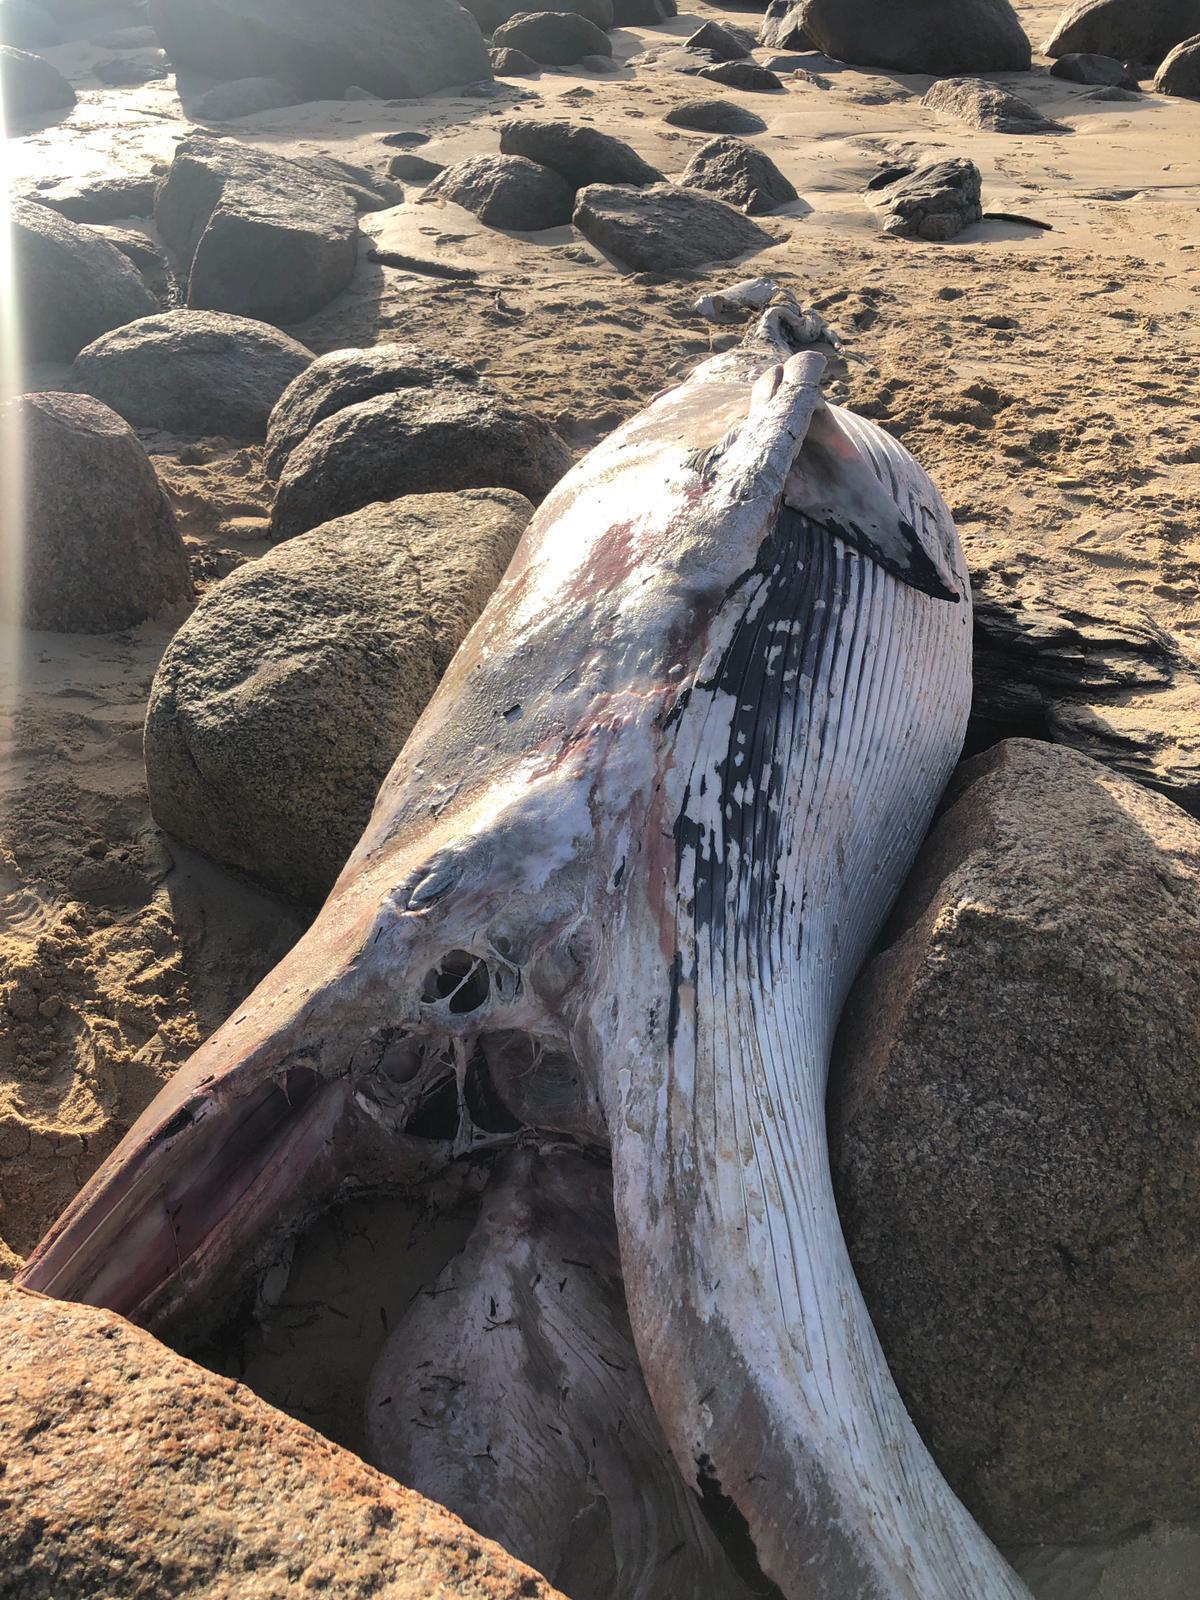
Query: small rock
[510,63]
[102,551]
[1013,1110]
[739,174]
[1125,30]
[192,372]
[506,192]
[72,285]
[343,378]
[985,105]
[415,441]
[30,85]
[242,98]
[1078,67]
[120,72]
[604,65]
[1180,71]
[932,202]
[355,92]
[101,199]
[714,116]
[555,38]
[580,154]
[283,700]
[413,169]
[664,227]
[746,75]
[26,26]
[728,44]
[258,235]
[191,1474]
[405,140]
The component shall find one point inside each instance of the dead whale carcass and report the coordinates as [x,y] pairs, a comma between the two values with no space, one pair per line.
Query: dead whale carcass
[617,885]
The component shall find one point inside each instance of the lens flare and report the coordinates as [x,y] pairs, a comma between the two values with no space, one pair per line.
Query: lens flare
[12,496]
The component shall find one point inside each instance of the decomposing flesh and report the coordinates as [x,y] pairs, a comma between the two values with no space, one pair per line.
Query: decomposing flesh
[612,896]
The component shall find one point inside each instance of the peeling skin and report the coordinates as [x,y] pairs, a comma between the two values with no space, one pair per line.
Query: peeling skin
[630,860]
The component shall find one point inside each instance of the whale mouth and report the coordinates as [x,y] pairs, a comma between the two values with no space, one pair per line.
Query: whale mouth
[189,1213]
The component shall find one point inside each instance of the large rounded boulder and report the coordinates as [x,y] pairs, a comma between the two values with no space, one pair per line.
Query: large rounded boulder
[71,284]
[1127,30]
[30,85]
[283,700]
[415,441]
[1180,72]
[343,378]
[553,38]
[938,36]
[1014,1107]
[665,227]
[131,1471]
[506,192]
[739,174]
[100,547]
[581,154]
[192,372]
[395,51]
[256,234]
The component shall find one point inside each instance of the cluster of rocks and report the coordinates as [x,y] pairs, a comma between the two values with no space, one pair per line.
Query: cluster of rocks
[283,700]
[551,173]
[1115,43]
[264,53]
[248,233]
[524,38]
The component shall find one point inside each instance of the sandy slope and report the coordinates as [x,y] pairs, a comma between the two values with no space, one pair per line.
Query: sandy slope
[1046,379]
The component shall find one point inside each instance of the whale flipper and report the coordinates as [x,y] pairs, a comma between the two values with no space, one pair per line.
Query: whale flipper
[837,484]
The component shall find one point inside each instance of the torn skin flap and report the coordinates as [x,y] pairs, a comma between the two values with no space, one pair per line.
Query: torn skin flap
[834,485]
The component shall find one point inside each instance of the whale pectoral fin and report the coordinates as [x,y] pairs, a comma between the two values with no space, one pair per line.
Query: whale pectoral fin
[751,463]
[836,484]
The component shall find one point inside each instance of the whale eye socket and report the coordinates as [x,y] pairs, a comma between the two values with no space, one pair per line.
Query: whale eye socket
[460,979]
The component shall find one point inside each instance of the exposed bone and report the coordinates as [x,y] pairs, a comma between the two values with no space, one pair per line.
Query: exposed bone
[664,796]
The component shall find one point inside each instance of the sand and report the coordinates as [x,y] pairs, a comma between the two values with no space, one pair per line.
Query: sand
[1047,380]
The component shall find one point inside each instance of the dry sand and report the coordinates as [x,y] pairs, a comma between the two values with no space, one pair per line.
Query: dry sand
[1046,379]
